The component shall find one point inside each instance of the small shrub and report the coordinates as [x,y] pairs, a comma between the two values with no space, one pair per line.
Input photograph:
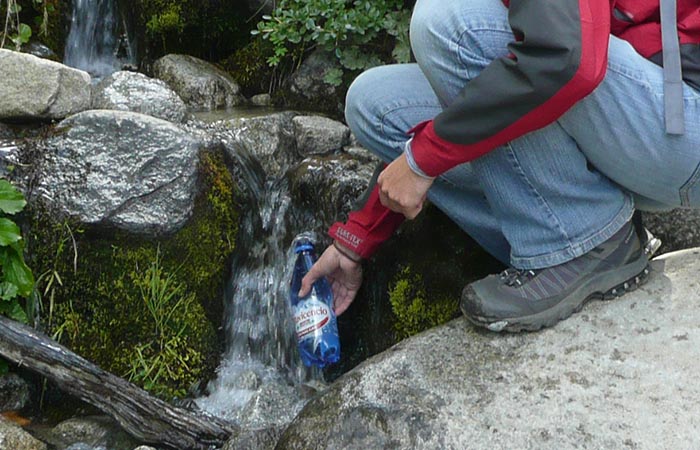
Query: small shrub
[355,32]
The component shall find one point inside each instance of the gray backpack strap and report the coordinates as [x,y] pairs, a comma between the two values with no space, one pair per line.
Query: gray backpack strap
[673,77]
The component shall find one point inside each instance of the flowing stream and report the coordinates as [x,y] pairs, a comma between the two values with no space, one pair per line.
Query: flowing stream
[261,381]
[98,41]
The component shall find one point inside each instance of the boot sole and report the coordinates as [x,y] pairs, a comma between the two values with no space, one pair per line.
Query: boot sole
[625,279]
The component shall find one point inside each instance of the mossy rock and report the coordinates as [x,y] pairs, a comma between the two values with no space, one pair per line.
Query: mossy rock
[144,308]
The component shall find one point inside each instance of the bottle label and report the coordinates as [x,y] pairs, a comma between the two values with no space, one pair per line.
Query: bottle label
[310,315]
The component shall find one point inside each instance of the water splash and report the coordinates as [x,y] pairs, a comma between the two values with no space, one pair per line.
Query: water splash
[261,365]
[98,42]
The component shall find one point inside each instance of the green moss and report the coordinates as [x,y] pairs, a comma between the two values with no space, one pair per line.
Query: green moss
[209,29]
[413,309]
[99,290]
[249,69]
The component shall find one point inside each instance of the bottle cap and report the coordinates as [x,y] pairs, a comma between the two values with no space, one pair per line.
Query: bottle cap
[304,242]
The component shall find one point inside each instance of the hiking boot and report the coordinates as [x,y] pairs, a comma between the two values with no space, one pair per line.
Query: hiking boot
[518,300]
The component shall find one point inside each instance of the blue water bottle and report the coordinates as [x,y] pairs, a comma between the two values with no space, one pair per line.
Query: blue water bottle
[314,318]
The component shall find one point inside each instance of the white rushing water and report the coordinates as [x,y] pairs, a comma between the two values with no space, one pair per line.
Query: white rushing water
[261,380]
[97,42]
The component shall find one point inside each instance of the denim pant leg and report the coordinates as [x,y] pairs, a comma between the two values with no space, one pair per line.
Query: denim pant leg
[630,144]
[552,206]
[381,105]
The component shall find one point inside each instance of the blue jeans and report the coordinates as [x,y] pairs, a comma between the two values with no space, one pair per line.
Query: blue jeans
[553,194]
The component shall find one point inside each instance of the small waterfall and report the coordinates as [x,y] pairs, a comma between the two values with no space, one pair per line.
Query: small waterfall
[98,40]
[261,343]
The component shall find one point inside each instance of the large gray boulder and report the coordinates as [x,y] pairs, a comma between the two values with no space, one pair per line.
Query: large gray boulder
[14,437]
[132,91]
[123,169]
[620,374]
[36,88]
[200,84]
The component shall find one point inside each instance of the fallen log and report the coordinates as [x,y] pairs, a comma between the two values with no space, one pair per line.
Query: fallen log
[146,418]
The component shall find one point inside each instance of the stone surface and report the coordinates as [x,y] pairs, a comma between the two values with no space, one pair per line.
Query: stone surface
[90,433]
[14,392]
[307,82]
[262,439]
[319,135]
[123,169]
[200,84]
[36,88]
[13,437]
[261,100]
[131,91]
[269,139]
[40,50]
[329,186]
[677,229]
[620,374]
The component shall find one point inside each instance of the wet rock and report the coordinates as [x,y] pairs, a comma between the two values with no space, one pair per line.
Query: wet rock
[200,84]
[319,135]
[261,100]
[590,382]
[14,437]
[90,433]
[131,91]
[264,407]
[14,392]
[144,447]
[677,229]
[35,88]
[330,185]
[269,139]
[122,169]
[256,439]
[83,446]
[42,51]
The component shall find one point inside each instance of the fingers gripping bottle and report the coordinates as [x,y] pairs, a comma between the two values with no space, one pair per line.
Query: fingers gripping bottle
[314,319]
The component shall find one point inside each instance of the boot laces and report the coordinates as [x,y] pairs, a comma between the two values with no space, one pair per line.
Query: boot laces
[517,277]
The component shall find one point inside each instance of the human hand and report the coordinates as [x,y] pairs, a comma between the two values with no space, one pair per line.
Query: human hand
[344,275]
[401,189]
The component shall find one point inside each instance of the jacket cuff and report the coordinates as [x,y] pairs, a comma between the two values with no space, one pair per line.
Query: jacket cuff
[355,238]
[408,151]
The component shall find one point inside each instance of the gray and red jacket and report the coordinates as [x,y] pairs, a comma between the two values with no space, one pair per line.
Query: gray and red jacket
[559,55]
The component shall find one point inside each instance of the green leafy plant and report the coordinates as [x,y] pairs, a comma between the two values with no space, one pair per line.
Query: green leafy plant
[17,280]
[353,31]
[167,357]
[19,32]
